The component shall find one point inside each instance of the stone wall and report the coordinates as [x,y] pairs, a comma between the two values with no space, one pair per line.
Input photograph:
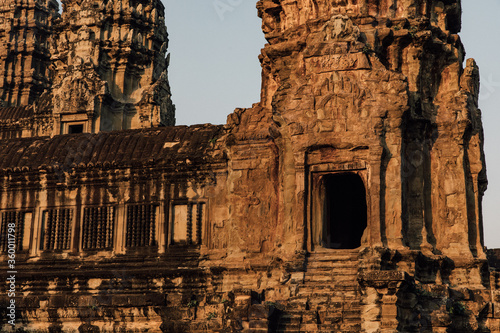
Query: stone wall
[238,228]
[14,122]
[68,193]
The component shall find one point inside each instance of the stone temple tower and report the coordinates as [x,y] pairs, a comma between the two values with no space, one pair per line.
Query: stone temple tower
[25,29]
[347,200]
[109,66]
[377,91]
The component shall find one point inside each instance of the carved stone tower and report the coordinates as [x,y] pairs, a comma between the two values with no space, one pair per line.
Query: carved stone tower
[347,200]
[25,28]
[377,89]
[110,67]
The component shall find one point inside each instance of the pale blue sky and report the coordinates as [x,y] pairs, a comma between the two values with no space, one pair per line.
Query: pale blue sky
[214,69]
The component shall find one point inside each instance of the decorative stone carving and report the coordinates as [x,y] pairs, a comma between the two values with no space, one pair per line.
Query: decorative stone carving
[385,76]
[347,200]
[25,31]
[340,28]
[128,61]
[106,75]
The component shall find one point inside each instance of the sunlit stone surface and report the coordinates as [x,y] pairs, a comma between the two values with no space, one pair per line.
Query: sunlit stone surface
[347,200]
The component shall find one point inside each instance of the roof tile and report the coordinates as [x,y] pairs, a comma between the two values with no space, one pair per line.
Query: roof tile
[121,148]
[15,113]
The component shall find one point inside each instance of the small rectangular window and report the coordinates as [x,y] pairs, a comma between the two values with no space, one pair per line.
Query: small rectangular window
[141,226]
[75,129]
[15,221]
[98,228]
[56,229]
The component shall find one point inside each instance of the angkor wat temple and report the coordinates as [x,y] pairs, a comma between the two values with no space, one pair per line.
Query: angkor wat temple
[347,200]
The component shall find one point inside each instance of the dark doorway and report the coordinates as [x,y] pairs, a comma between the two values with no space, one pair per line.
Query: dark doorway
[75,129]
[344,211]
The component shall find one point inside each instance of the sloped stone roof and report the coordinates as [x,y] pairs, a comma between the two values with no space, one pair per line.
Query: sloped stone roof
[176,146]
[15,113]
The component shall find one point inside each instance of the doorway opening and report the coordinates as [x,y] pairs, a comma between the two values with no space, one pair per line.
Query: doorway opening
[344,211]
[75,129]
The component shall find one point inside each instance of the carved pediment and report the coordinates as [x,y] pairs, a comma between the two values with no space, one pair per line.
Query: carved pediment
[340,28]
[77,93]
[337,36]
